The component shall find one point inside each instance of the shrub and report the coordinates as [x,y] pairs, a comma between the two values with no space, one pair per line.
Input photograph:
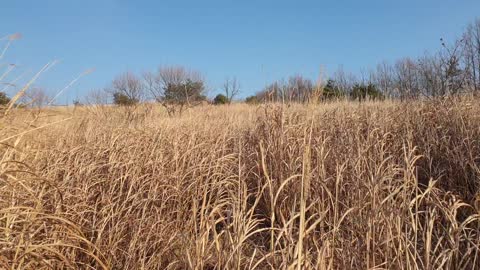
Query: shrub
[252,100]
[123,100]
[185,92]
[127,89]
[220,100]
[361,92]
[4,99]
[331,90]
[175,85]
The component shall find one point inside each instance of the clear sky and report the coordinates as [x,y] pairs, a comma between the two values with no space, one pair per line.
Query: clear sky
[256,41]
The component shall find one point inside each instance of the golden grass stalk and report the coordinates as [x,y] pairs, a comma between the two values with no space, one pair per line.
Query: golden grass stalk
[384,185]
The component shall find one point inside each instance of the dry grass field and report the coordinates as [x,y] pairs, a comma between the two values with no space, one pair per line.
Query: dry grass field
[345,185]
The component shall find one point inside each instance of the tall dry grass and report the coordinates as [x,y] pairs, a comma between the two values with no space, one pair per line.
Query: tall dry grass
[375,185]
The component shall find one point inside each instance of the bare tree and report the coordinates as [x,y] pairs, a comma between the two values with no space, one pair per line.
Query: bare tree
[127,89]
[454,76]
[176,88]
[97,100]
[298,89]
[231,88]
[406,78]
[471,54]
[344,81]
[181,86]
[35,98]
[295,89]
[153,85]
[431,80]
[384,78]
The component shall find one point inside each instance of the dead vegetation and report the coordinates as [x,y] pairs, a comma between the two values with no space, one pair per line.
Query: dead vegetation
[373,185]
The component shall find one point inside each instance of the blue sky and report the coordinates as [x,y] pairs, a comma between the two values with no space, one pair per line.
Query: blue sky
[256,41]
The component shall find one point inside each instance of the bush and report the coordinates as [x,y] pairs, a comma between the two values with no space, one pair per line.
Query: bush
[4,99]
[123,100]
[331,91]
[77,102]
[361,92]
[220,100]
[184,92]
[252,100]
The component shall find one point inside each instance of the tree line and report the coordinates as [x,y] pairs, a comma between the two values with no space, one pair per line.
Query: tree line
[174,87]
[454,69]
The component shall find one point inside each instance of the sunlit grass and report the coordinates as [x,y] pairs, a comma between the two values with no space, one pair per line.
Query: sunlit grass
[345,185]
